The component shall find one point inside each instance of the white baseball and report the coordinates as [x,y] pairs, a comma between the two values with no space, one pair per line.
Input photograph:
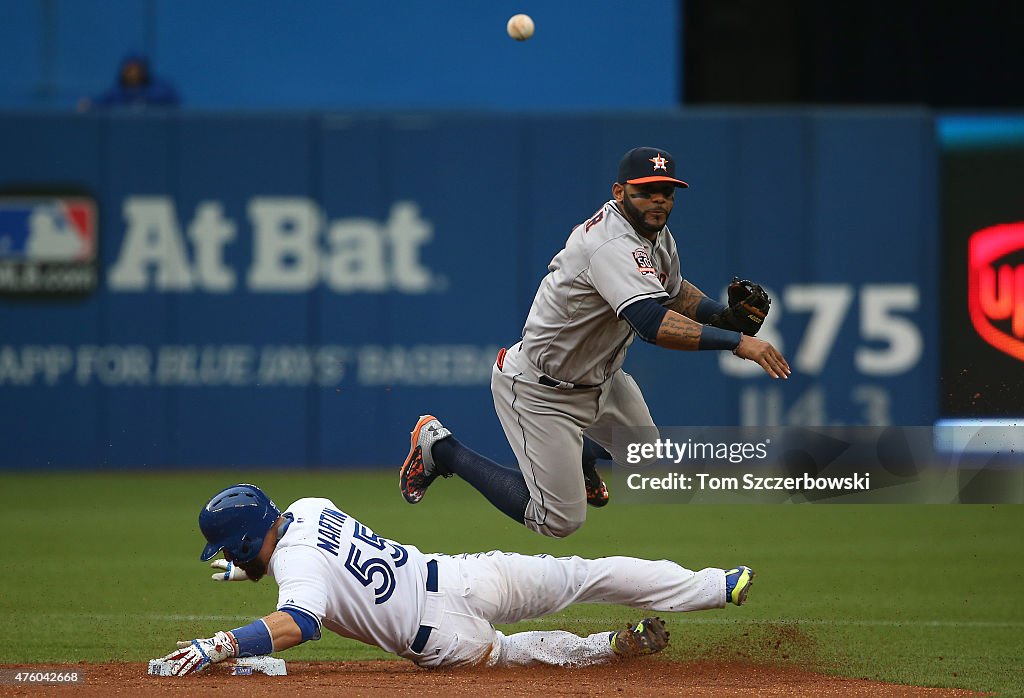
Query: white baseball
[520,27]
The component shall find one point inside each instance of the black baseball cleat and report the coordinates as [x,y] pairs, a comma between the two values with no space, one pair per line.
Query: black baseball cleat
[597,491]
[646,637]
[419,470]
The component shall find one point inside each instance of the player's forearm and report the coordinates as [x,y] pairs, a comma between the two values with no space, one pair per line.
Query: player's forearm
[683,334]
[284,631]
[678,332]
[272,633]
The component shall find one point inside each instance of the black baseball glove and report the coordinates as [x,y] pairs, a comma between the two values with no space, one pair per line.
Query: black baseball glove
[748,306]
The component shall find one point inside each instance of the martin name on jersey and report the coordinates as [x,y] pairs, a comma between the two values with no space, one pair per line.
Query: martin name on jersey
[331,567]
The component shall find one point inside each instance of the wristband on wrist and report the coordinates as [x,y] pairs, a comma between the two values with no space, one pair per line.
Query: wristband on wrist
[253,640]
[717,338]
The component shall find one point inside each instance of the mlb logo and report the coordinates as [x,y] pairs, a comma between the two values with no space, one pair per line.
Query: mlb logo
[48,245]
[995,286]
[47,229]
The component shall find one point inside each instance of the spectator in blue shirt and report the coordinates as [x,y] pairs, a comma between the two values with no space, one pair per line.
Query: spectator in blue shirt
[136,86]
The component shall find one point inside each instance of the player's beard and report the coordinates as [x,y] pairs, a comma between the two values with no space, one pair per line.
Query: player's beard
[254,569]
[636,218]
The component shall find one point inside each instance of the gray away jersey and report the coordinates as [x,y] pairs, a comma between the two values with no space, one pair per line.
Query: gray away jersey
[573,332]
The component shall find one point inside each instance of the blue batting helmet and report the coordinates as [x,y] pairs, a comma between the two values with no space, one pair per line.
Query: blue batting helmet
[236,520]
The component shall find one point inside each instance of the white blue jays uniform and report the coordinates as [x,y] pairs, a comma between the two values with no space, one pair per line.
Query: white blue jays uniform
[439,610]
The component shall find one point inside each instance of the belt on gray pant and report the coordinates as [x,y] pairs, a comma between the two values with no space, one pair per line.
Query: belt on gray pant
[565,385]
[423,634]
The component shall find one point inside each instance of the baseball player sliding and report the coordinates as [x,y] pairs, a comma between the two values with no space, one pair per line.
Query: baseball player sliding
[561,391]
[436,610]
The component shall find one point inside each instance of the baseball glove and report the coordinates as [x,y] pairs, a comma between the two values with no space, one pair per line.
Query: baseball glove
[748,306]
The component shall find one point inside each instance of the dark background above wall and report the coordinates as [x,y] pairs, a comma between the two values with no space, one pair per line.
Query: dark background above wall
[869,52]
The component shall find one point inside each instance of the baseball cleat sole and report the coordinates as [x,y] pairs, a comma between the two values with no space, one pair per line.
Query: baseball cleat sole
[646,637]
[414,478]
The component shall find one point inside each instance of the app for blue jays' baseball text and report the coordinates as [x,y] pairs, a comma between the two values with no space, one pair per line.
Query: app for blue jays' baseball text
[47,245]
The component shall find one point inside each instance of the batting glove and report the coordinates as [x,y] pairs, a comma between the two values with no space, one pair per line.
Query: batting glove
[231,573]
[198,655]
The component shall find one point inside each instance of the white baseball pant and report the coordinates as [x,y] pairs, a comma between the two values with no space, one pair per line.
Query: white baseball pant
[477,590]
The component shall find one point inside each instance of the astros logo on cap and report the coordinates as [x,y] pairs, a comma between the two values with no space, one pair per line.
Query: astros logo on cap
[659,162]
[633,168]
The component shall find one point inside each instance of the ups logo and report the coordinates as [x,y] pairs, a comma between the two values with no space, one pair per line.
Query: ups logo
[995,286]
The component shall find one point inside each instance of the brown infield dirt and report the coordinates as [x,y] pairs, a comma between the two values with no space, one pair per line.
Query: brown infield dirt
[648,676]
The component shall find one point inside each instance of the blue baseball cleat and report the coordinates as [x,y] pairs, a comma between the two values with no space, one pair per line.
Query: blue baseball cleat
[738,581]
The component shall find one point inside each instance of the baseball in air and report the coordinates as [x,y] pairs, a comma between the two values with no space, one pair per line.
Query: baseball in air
[520,27]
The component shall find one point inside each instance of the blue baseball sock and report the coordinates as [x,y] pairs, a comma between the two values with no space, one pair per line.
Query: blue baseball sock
[593,451]
[504,487]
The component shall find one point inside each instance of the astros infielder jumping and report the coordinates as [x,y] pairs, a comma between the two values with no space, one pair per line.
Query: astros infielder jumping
[436,610]
[562,387]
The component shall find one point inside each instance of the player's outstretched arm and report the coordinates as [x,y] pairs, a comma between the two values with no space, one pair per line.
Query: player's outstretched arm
[284,630]
[678,332]
[666,328]
[273,633]
[682,333]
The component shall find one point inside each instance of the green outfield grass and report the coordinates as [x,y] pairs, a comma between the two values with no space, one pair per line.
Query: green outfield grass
[106,567]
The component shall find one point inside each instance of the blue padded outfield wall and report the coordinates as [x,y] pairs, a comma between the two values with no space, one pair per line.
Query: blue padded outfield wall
[295,290]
